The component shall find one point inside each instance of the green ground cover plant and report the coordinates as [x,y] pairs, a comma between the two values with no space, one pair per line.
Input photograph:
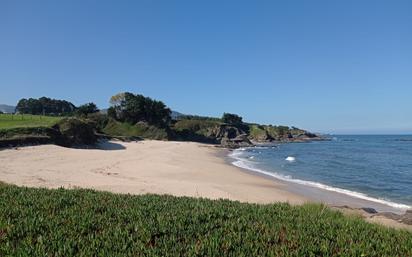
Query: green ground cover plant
[43,222]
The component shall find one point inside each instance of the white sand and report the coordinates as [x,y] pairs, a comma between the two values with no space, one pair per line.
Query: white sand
[177,168]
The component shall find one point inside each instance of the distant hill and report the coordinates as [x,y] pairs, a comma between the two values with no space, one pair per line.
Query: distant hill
[7,108]
[176,115]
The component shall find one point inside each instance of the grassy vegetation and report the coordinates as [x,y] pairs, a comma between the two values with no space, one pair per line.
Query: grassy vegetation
[47,130]
[199,126]
[124,129]
[9,121]
[199,130]
[41,222]
[262,132]
[28,135]
[258,132]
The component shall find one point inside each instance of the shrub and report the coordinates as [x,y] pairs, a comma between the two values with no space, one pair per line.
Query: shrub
[140,130]
[197,130]
[99,120]
[85,109]
[76,131]
[232,119]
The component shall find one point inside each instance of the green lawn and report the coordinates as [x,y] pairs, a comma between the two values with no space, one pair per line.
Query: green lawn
[41,222]
[8,121]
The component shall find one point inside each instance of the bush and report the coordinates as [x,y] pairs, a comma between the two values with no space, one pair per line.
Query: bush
[76,131]
[232,119]
[99,120]
[195,125]
[197,130]
[85,109]
[139,130]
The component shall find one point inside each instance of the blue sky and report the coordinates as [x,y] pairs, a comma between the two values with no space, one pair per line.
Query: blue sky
[327,66]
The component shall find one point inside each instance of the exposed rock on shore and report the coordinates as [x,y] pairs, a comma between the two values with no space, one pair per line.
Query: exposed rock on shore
[404,218]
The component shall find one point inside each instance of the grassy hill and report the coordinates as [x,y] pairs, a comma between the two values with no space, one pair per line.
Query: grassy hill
[41,222]
[9,121]
[35,129]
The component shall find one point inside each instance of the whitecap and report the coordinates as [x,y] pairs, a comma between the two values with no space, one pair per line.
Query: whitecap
[290,159]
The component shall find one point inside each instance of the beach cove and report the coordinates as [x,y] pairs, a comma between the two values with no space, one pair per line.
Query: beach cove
[163,167]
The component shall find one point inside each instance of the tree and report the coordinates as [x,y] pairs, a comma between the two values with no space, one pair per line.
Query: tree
[117,99]
[85,109]
[111,112]
[128,107]
[232,119]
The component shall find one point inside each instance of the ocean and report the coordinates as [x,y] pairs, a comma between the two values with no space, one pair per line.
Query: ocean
[371,168]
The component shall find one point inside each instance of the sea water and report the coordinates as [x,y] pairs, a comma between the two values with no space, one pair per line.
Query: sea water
[373,168]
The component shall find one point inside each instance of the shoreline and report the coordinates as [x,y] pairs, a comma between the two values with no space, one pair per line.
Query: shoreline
[371,211]
[321,192]
[161,167]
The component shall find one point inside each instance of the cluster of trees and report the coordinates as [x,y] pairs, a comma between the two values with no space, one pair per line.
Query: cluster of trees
[125,107]
[48,106]
[45,106]
[131,108]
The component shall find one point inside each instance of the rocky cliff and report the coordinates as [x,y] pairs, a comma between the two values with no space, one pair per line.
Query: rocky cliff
[241,135]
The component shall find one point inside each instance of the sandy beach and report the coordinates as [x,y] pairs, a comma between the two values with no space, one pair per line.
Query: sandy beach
[176,168]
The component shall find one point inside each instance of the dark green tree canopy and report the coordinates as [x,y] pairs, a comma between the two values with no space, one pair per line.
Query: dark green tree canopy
[44,105]
[128,107]
[232,119]
[86,109]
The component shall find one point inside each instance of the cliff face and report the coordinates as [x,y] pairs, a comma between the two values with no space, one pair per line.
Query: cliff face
[269,133]
[212,132]
[230,136]
[240,135]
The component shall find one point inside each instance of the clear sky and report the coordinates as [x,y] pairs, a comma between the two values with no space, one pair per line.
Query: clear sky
[327,66]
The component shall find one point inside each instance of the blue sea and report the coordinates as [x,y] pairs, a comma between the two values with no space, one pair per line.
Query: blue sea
[373,168]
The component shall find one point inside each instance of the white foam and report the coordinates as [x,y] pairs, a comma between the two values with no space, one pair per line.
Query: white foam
[290,159]
[242,163]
